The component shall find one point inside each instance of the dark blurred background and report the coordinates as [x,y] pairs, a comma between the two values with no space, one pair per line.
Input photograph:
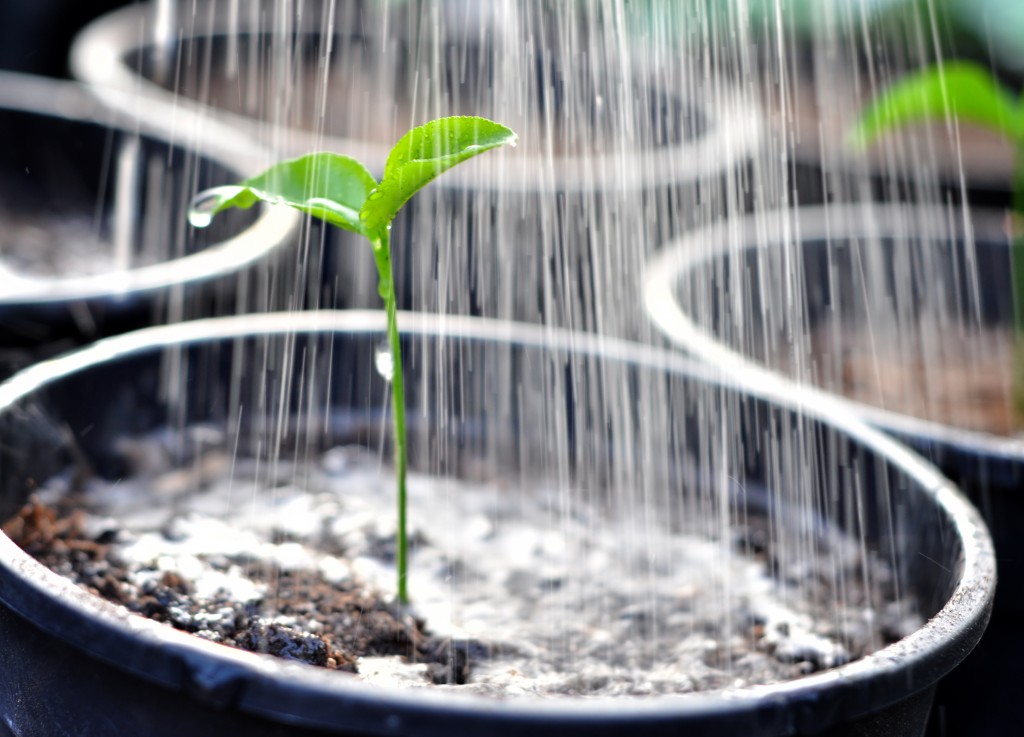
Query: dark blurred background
[35,34]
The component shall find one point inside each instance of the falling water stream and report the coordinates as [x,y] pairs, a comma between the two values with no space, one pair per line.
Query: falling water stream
[640,122]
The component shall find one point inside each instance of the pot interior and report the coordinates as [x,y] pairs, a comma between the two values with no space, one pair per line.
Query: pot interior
[79,197]
[386,69]
[621,433]
[898,310]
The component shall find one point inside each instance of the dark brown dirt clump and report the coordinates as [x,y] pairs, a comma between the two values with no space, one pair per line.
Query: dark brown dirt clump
[303,617]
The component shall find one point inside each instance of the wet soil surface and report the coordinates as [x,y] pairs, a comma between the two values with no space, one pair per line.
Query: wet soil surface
[306,619]
[963,381]
[511,595]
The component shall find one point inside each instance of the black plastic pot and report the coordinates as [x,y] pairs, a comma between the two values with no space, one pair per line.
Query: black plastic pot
[738,293]
[526,400]
[121,191]
[469,60]
[541,212]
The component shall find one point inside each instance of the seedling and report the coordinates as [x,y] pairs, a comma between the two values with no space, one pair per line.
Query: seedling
[970,93]
[341,191]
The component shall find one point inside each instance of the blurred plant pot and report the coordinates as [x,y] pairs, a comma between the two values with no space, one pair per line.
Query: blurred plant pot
[905,312]
[921,162]
[132,674]
[819,65]
[814,67]
[603,141]
[931,284]
[93,232]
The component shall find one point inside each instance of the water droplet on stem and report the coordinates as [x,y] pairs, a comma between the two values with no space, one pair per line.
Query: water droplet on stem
[384,361]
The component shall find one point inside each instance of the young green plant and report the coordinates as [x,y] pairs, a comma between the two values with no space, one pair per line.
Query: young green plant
[341,191]
[967,92]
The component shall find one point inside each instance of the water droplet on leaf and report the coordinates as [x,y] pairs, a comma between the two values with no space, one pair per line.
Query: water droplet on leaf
[199,219]
[207,203]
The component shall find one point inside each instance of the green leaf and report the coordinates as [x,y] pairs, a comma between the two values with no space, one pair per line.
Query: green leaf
[962,90]
[424,153]
[328,186]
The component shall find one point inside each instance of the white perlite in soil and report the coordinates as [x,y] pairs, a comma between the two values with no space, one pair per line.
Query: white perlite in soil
[549,601]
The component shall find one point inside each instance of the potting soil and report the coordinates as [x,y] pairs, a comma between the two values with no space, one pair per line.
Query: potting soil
[514,593]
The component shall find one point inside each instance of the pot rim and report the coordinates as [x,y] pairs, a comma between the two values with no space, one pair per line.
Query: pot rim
[254,682]
[98,57]
[72,103]
[700,247]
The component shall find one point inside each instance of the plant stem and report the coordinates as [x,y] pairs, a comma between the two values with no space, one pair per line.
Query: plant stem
[382,255]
